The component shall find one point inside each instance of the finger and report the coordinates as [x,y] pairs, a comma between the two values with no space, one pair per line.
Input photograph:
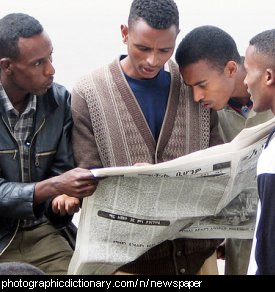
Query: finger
[55,208]
[62,208]
[80,185]
[72,207]
[84,174]
[87,189]
[78,191]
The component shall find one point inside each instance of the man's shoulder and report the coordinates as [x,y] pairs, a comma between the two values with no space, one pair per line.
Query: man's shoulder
[86,78]
[97,76]
[59,87]
[262,116]
[57,94]
[59,91]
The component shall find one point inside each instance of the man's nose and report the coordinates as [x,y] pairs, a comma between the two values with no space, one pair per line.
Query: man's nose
[152,59]
[49,70]
[245,81]
[197,95]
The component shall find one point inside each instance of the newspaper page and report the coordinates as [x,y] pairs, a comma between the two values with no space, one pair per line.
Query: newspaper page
[211,193]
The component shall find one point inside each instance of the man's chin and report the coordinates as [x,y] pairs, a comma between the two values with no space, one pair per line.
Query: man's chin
[219,107]
[42,90]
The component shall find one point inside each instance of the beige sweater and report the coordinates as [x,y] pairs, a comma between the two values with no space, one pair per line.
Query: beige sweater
[111,130]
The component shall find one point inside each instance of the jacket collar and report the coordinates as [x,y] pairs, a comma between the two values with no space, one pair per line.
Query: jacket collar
[46,102]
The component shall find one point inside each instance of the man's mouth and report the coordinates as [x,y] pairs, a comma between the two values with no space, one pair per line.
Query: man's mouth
[206,104]
[149,71]
[49,83]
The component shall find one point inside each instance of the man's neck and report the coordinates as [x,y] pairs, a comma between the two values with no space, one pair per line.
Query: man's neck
[240,92]
[18,98]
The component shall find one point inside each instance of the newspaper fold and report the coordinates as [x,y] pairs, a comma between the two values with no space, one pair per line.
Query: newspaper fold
[210,193]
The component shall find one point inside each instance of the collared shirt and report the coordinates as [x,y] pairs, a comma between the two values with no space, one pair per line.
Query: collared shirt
[22,127]
[240,108]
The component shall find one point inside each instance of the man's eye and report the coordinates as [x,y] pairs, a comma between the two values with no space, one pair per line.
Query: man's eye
[38,63]
[143,49]
[202,85]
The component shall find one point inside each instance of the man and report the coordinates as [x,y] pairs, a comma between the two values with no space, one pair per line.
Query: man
[135,110]
[35,151]
[210,63]
[260,80]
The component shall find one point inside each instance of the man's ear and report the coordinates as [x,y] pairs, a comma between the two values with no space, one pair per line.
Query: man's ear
[124,32]
[230,68]
[270,76]
[6,65]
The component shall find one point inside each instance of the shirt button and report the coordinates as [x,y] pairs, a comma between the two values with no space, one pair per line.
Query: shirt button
[179,253]
[182,270]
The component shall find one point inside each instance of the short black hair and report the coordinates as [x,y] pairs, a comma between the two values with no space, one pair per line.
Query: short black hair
[14,26]
[159,14]
[264,42]
[208,43]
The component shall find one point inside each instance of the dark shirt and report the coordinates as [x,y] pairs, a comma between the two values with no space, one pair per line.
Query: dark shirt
[265,252]
[152,96]
[240,108]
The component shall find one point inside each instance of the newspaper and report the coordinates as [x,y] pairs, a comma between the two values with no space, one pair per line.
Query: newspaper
[210,193]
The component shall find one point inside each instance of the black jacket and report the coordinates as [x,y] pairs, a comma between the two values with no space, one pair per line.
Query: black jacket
[50,154]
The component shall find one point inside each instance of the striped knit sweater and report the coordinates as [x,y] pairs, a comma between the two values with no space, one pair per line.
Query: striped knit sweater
[111,130]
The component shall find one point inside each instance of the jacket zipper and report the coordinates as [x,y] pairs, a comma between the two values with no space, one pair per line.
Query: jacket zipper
[41,126]
[41,155]
[14,152]
[11,238]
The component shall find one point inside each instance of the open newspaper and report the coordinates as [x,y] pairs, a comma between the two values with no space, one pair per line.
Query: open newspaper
[210,193]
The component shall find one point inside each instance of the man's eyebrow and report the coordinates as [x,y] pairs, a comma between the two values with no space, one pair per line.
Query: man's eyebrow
[197,83]
[145,46]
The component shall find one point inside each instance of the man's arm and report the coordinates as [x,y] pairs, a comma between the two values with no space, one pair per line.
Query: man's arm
[16,199]
[84,144]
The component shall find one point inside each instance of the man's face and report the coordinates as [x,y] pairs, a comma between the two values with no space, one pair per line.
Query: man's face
[255,80]
[210,86]
[32,71]
[148,49]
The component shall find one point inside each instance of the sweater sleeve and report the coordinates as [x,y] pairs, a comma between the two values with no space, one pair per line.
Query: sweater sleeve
[84,144]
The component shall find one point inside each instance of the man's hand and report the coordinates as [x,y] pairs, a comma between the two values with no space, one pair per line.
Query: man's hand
[77,182]
[64,204]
